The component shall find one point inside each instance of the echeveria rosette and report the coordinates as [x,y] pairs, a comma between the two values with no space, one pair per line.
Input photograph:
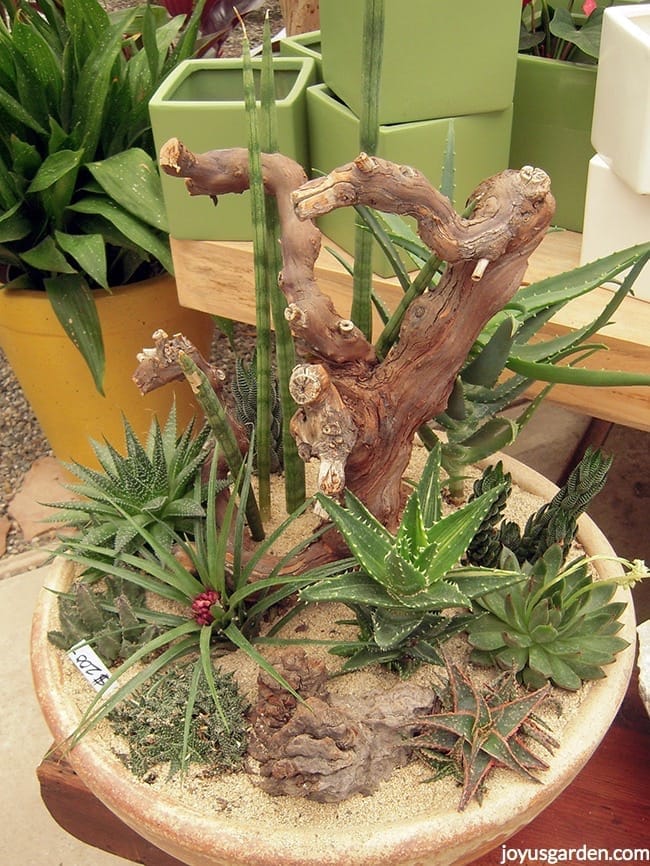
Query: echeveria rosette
[558,625]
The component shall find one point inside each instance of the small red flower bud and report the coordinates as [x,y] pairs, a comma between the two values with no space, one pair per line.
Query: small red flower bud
[202,604]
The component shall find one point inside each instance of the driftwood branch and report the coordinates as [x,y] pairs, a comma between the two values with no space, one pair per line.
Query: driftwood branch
[158,364]
[311,315]
[378,406]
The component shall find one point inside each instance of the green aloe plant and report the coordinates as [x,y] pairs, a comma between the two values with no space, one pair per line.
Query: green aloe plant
[80,196]
[557,624]
[152,487]
[405,580]
[478,731]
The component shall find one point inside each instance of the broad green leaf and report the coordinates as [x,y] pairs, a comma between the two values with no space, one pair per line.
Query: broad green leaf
[488,365]
[391,627]
[46,256]
[355,588]
[54,168]
[437,596]
[429,488]
[401,578]
[75,308]
[18,113]
[43,65]
[564,287]
[14,224]
[368,540]
[131,179]
[89,251]
[454,532]
[128,225]
[94,83]
[25,158]
[494,435]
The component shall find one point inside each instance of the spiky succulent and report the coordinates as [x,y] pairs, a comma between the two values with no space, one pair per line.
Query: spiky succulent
[244,390]
[479,731]
[556,522]
[174,720]
[558,624]
[109,618]
[405,580]
[151,487]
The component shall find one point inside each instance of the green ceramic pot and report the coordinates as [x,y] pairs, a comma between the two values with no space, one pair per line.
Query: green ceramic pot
[304,45]
[202,103]
[551,128]
[440,59]
[482,142]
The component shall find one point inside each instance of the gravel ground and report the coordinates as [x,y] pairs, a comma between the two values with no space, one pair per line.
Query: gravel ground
[21,439]
[21,443]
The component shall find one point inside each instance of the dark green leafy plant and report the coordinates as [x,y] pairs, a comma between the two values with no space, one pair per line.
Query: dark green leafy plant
[80,197]
[172,720]
[150,488]
[114,619]
[405,580]
[558,624]
[556,522]
[479,731]
[560,31]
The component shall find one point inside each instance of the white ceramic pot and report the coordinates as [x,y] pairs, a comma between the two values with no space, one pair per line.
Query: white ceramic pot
[439,837]
[621,124]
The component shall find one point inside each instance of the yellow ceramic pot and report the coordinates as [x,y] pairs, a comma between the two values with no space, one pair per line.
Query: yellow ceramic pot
[57,383]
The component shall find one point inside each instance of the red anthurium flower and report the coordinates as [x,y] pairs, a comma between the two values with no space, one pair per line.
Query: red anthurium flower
[588,6]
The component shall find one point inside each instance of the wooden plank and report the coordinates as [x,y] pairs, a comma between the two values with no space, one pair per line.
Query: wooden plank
[217,277]
[82,815]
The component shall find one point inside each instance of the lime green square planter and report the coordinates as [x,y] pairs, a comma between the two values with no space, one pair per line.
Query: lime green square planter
[304,45]
[202,103]
[551,129]
[482,142]
[441,58]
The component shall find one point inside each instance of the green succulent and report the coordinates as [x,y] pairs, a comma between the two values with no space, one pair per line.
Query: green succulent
[555,522]
[507,355]
[405,580]
[111,619]
[150,488]
[173,720]
[221,605]
[244,391]
[557,624]
[479,731]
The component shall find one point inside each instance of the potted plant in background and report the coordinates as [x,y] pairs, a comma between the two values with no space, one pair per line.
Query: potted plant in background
[554,96]
[85,254]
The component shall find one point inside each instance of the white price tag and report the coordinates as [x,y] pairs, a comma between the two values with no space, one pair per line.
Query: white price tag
[86,660]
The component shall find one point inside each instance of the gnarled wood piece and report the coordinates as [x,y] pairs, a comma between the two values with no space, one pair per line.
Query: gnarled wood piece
[323,426]
[329,748]
[311,315]
[487,256]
